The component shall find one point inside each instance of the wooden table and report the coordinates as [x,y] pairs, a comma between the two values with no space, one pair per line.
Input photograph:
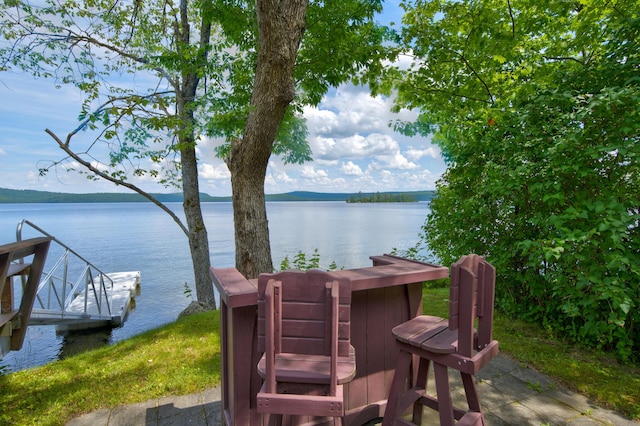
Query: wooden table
[383,296]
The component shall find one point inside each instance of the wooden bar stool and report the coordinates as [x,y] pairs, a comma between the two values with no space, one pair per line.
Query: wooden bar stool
[452,343]
[304,330]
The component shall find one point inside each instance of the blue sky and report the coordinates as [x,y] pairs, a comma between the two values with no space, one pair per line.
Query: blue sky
[354,149]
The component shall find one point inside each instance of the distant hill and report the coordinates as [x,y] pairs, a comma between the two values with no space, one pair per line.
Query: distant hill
[31,196]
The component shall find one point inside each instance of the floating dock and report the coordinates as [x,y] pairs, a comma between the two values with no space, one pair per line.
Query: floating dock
[88,309]
[67,290]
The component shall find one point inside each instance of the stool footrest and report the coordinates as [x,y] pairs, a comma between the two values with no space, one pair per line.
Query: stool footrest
[410,397]
[471,419]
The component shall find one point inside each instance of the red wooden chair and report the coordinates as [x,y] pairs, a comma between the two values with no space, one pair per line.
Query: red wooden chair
[13,322]
[304,331]
[452,343]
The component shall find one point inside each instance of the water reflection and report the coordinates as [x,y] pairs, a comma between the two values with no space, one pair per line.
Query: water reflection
[77,342]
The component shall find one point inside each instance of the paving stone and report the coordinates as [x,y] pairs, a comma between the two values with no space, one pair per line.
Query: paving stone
[517,414]
[510,394]
[534,379]
[211,395]
[584,421]
[580,402]
[499,366]
[608,417]
[493,420]
[551,410]
[144,413]
[95,418]
[194,415]
[505,390]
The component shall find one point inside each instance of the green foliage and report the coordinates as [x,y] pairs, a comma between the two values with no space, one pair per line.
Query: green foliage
[537,111]
[132,65]
[133,62]
[302,263]
[341,43]
[188,293]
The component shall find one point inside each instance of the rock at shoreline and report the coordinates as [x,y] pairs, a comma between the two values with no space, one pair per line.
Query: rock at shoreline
[194,307]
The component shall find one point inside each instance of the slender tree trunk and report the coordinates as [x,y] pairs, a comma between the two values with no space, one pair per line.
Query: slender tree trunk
[186,95]
[198,239]
[281,24]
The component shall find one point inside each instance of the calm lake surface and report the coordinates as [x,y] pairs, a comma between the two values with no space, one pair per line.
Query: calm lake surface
[140,237]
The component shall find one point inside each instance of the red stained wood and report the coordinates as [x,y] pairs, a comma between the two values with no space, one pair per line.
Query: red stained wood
[17,320]
[382,297]
[452,343]
[304,367]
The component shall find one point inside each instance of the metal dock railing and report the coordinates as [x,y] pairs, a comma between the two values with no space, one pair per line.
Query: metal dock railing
[75,294]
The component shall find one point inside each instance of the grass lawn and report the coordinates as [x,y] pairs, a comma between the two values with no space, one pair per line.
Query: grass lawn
[177,359]
[183,358]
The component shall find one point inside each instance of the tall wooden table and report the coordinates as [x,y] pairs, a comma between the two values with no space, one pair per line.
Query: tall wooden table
[383,296]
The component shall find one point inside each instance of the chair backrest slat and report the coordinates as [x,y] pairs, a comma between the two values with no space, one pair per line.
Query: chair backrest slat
[306,318]
[471,297]
[487,289]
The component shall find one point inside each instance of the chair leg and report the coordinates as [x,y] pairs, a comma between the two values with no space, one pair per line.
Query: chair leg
[443,391]
[471,392]
[402,370]
[337,421]
[275,419]
[421,382]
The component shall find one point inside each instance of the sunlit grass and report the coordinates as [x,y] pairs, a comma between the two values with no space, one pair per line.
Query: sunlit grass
[177,359]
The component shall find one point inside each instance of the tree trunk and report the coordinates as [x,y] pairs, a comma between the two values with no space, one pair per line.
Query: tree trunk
[198,239]
[281,24]
[186,94]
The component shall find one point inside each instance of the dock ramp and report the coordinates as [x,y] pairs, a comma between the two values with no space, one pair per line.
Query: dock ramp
[72,294]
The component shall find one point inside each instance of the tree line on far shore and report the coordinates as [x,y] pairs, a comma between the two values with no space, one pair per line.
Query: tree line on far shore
[386,197]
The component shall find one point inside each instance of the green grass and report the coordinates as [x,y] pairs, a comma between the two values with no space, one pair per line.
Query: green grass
[177,359]
[183,358]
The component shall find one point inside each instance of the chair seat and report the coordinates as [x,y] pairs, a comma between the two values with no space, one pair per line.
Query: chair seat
[429,333]
[419,329]
[315,369]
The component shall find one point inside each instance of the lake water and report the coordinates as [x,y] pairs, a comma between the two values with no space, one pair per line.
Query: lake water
[141,237]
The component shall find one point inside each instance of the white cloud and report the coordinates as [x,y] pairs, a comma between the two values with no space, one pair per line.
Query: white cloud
[416,154]
[398,161]
[310,173]
[324,162]
[349,110]
[354,146]
[209,171]
[351,169]
[283,177]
